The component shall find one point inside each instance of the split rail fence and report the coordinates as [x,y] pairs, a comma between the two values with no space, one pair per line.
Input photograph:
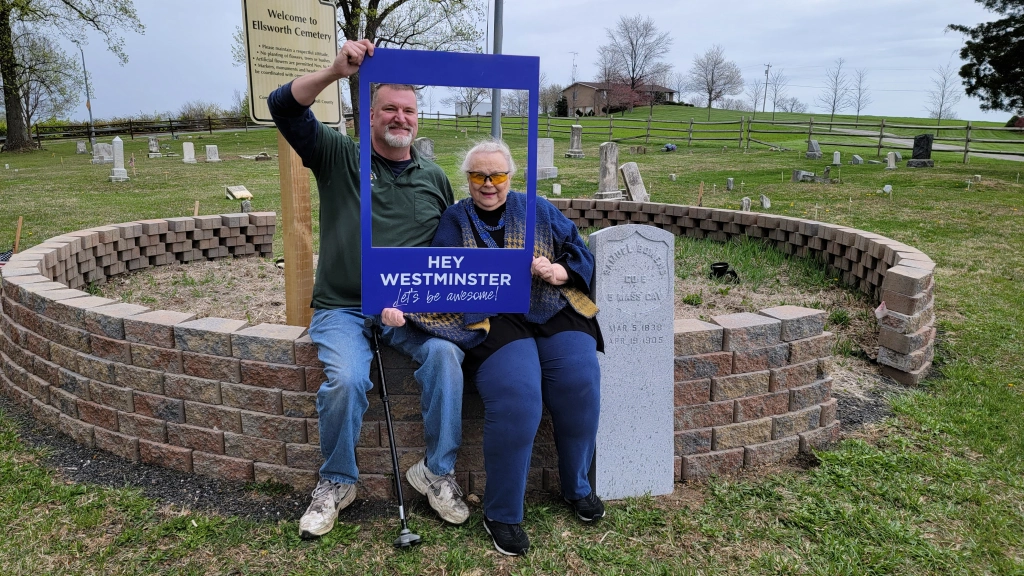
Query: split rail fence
[742,132]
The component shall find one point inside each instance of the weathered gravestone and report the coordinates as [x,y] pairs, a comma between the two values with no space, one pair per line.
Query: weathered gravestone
[729,183]
[836,158]
[922,154]
[635,189]
[857,159]
[633,287]
[745,206]
[556,189]
[102,153]
[80,147]
[608,183]
[154,147]
[802,176]
[546,168]
[118,173]
[188,153]
[899,157]
[765,202]
[890,159]
[575,142]
[212,153]
[425,148]
[813,150]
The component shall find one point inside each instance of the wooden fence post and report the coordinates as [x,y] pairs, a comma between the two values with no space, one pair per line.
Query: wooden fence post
[647,138]
[610,117]
[749,122]
[131,129]
[689,133]
[209,124]
[742,120]
[967,142]
[881,133]
[438,119]
[521,130]
[478,121]
[810,131]
[456,121]
[547,134]
[170,123]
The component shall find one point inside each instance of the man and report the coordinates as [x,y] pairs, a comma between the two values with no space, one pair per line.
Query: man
[409,194]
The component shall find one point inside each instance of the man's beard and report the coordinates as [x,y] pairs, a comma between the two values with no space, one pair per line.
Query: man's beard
[396,141]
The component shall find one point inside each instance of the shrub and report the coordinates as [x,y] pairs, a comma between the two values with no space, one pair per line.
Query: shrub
[1012,122]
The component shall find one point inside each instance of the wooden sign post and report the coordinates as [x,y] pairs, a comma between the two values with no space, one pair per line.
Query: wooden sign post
[285,39]
[297,222]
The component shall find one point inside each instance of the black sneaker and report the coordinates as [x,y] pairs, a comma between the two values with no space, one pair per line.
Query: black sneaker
[589,508]
[509,539]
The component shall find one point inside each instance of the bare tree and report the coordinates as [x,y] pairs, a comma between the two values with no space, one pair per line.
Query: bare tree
[412,24]
[678,83]
[793,105]
[944,95]
[465,99]
[861,95]
[549,96]
[714,77]
[606,70]
[635,50]
[836,95]
[777,84]
[755,90]
[515,102]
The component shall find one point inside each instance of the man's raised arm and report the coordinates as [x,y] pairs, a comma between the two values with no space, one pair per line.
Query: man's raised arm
[306,88]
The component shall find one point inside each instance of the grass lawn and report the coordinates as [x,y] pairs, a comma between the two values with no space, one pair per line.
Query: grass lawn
[937,489]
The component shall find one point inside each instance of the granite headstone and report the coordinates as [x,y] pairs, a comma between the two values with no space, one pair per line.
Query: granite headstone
[635,189]
[922,154]
[546,168]
[212,153]
[425,147]
[575,142]
[813,150]
[745,206]
[836,158]
[154,147]
[80,147]
[608,183]
[118,172]
[188,153]
[857,159]
[890,159]
[634,289]
[102,153]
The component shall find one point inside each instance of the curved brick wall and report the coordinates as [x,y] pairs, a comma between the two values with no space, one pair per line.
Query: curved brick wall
[217,397]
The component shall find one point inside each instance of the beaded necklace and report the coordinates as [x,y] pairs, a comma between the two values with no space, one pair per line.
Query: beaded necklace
[483,228]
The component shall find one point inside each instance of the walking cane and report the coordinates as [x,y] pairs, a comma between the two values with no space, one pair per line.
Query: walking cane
[406,538]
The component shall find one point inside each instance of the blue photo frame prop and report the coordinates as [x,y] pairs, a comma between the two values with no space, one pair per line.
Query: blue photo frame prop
[446,279]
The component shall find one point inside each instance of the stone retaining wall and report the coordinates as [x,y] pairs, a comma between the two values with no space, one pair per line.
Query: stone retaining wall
[217,397]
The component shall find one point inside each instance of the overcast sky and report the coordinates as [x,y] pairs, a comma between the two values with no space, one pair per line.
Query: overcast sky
[185,51]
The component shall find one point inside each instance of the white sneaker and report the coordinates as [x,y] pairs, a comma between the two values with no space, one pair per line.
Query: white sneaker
[328,498]
[442,492]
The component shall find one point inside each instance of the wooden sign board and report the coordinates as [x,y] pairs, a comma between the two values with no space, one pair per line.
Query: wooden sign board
[285,39]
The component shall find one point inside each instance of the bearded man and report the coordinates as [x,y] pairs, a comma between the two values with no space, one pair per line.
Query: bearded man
[409,193]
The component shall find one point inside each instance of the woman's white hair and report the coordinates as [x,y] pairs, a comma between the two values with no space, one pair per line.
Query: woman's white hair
[486,147]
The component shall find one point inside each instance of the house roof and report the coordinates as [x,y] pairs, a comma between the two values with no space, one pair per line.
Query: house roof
[611,85]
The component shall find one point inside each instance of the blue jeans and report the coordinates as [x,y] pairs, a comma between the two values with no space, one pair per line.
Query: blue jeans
[344,346]
[560,372]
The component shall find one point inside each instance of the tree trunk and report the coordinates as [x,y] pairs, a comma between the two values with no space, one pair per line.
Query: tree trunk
[353,91]
[17,131]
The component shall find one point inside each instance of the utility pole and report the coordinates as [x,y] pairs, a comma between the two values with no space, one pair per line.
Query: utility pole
[88,103]
[496,92]
[765,103]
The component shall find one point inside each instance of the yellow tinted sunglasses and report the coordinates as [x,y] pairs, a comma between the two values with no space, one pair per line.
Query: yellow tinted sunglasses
[479,178]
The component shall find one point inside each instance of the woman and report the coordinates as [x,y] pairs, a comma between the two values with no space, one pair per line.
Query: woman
[522,362]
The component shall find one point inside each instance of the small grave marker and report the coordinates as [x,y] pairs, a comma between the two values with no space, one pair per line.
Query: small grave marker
[635,190]
[575,142]
[608,183]
[188,152]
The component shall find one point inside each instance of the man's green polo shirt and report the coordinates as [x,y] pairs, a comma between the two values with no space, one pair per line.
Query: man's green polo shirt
[406,210]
